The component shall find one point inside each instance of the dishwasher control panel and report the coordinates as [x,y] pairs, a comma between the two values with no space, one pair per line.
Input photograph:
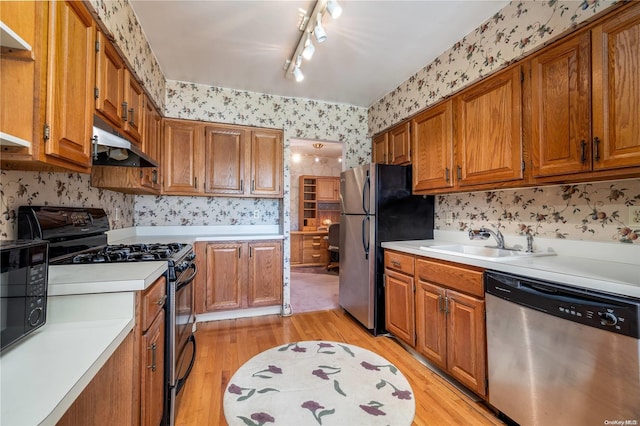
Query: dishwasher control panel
[618,314]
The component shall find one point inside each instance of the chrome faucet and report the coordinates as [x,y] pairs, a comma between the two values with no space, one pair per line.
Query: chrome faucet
[529,236]
[484,233]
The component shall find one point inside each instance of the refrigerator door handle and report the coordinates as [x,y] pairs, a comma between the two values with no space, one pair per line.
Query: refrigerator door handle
[366,190]
[365,234]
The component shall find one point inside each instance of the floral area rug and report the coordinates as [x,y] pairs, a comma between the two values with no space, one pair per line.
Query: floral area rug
[318,383]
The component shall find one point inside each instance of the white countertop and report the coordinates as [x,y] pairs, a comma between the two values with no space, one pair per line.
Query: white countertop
[572,266]
[42,375]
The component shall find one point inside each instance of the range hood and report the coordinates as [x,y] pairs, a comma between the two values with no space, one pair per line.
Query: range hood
[111,149]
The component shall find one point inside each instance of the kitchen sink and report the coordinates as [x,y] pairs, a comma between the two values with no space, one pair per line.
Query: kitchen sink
[484,253]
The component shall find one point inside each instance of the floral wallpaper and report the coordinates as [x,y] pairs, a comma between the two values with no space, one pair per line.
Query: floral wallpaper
[517,29]
[591,211]
[57,189]
[308,166]
[202,211]
[119,18]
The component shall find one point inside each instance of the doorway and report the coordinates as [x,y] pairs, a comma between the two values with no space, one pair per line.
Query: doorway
[313,286]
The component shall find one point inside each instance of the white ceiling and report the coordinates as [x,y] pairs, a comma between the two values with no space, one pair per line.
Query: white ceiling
[373,47]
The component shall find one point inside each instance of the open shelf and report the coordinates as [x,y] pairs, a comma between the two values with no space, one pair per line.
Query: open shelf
[11,40]
[9,140]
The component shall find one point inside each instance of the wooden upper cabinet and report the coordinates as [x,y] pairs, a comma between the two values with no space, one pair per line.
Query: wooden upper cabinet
[224,160]
[380,148]
[266,163]
[432,146]
[616,90]
[18,114]
[328,189]
[152,135]
[70,82]
[488,130]
[400,144]
[180,161]
[110,72]
[560,100]
[134,106]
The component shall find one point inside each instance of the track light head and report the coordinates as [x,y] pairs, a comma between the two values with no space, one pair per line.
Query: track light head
[309,48]
[297,73]
[334,9]
[318,31]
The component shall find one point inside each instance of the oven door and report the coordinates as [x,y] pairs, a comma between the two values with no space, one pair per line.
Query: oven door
[182,344]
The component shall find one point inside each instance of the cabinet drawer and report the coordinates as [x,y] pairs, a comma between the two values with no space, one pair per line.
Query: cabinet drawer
[467,279]
[153,301]
[315,242]
[399,262]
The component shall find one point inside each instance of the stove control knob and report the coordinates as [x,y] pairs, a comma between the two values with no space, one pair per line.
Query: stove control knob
[182,266]
[191,256]
[608,318]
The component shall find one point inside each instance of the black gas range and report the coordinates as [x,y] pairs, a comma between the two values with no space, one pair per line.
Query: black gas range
[77,236]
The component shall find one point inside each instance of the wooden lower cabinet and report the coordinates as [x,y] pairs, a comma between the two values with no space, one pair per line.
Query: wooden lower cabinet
[450,321]
[150,329]
[438,308]
[238,275]
[399,293]
[309,248]
[107,400]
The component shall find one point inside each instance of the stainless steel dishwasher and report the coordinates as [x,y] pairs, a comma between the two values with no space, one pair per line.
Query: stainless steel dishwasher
[561,355]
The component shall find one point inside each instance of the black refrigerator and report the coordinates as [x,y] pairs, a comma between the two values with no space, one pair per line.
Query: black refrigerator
[376,205]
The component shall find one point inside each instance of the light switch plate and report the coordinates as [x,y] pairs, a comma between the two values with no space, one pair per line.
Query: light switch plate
[634,215]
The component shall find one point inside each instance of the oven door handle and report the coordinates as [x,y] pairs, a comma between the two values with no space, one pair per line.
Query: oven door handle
[183,379]
[186,282]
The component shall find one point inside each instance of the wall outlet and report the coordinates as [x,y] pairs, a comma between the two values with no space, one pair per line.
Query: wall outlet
[256,214]
[634,215]
[448,218]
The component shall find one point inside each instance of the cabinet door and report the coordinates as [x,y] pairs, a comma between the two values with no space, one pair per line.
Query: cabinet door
[399,307]
[466,337]
[265,274]
[431,323]
[560,104]
[296,249]
[152,371]
[328,189]
[488,130]
[180,160]
[266,163]
[400,144]
[70,82]
[432,141]
[224,160]
[380,148]
[134,105]
[152,136]
[110,69]
[616,91]
[224,276]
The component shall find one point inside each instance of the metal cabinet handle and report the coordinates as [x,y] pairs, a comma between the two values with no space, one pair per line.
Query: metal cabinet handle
[161,301]
[396,263]
[131,120]
[583,153]
[195,182]
[124,111]
[459,172]
[446,305]
[152,348]
[446,174]
[241,184]
[596,148]
[154,176]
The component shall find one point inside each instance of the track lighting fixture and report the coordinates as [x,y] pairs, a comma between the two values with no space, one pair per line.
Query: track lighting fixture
[309,48]
[318,31]
[311,24]
[334,9]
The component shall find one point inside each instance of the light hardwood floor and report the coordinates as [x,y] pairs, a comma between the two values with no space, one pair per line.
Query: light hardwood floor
[223,346]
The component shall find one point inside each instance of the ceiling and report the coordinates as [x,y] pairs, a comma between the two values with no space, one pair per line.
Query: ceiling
[328,149]
[370,50]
